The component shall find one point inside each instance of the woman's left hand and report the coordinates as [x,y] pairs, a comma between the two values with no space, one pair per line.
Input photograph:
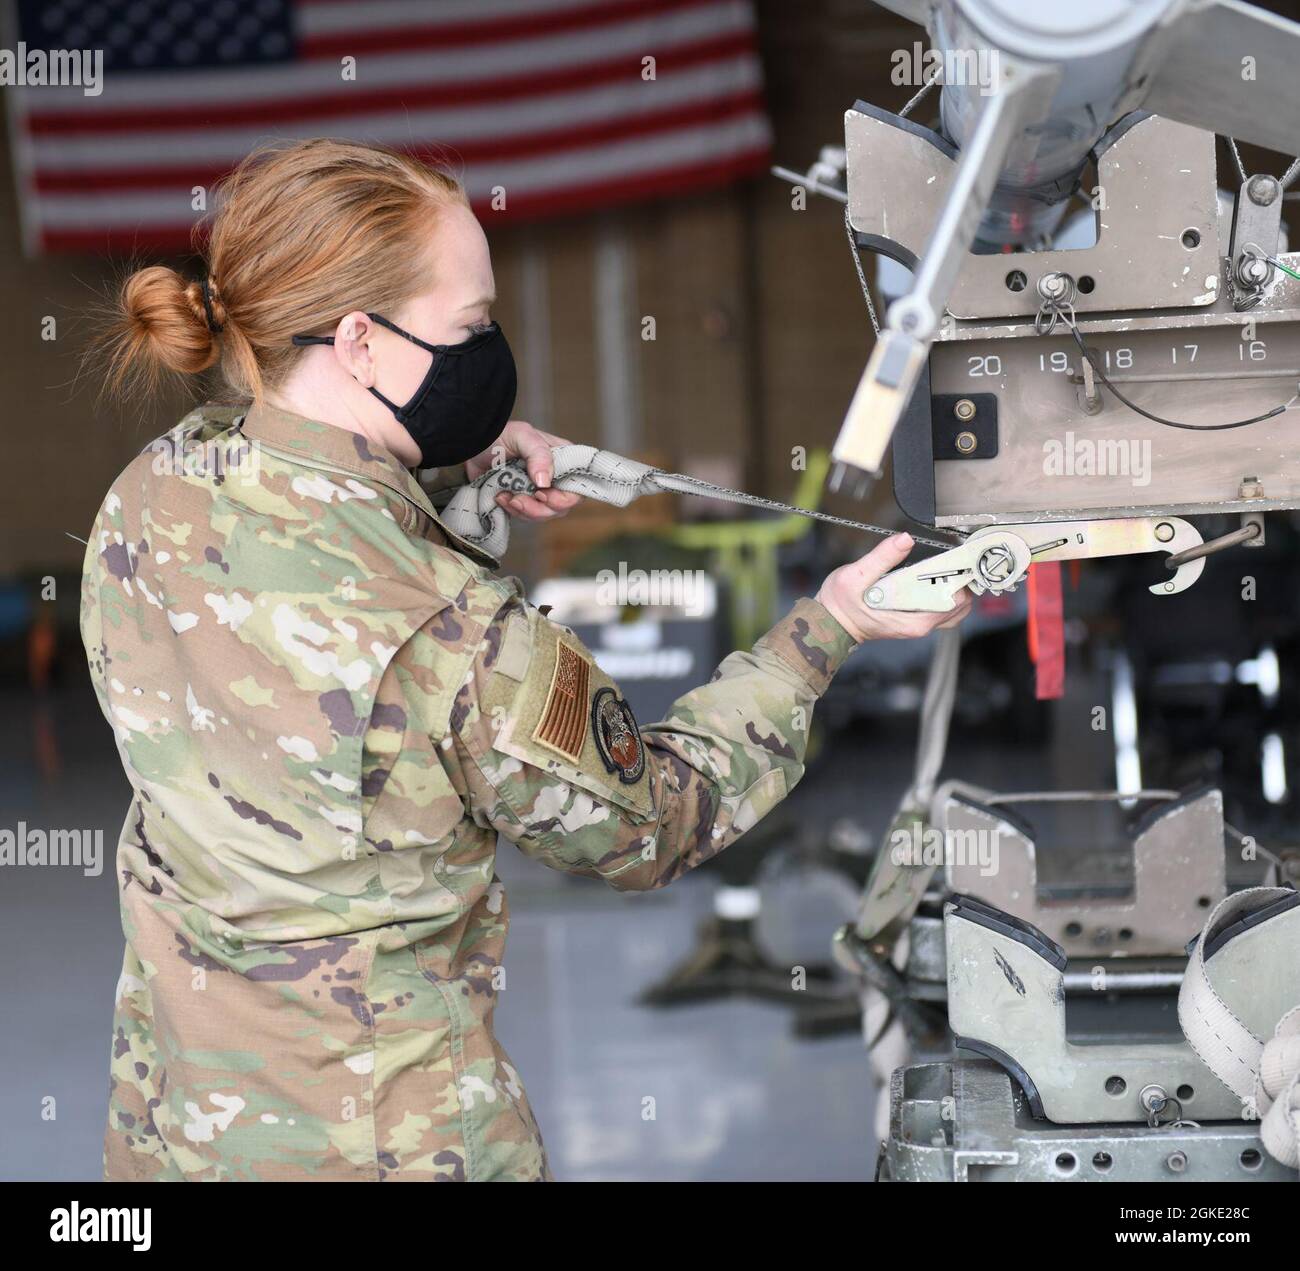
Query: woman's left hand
[522,441]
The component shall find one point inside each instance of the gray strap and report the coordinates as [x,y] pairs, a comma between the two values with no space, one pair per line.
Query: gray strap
[472,513]
[1278,1093]
[895,887]
[936,716]
[1262,1072]
[1222,1042]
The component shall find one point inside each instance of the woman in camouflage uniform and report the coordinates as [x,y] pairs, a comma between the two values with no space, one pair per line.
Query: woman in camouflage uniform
[329,707]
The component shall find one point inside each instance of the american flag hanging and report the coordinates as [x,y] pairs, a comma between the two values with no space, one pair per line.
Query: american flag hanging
[542,106]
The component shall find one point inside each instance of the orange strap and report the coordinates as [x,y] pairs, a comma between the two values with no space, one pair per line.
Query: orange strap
[1046,629]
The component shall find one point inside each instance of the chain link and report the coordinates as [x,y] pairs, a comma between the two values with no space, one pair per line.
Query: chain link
[1284,180]
[862,277]
[921,92]
[1236,158]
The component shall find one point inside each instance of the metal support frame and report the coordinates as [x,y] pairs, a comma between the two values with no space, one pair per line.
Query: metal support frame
[966,1121]
[1006,1001]
[1178,874]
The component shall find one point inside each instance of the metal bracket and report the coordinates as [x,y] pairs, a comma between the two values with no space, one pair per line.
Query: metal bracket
[965,1121]
[996,558]
[1178,874]
[1021,97]
[1158,240]
[1006,996]
[1256,229]
[965,425]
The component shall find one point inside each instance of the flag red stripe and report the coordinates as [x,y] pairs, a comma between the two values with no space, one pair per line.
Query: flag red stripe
[553,141]
[662,181]
[185,118]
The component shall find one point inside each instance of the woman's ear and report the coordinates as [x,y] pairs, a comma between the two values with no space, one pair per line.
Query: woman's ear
[352,339]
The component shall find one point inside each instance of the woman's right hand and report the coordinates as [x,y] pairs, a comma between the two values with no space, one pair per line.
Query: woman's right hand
[843,590]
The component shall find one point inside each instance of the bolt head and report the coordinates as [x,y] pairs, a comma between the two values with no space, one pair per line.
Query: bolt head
[1254,270]
[1152,1098]
[1051,285]
[964,409]
[1262,189]
[995,565]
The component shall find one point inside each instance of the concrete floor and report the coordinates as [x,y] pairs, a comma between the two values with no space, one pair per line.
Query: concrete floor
[738,1096]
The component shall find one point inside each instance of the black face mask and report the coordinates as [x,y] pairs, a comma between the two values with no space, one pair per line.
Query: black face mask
[464,401]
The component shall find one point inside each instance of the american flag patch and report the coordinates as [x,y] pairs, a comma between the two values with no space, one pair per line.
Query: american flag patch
[563,726]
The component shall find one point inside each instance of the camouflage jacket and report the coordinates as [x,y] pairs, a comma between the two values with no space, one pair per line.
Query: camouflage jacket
[328,709]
